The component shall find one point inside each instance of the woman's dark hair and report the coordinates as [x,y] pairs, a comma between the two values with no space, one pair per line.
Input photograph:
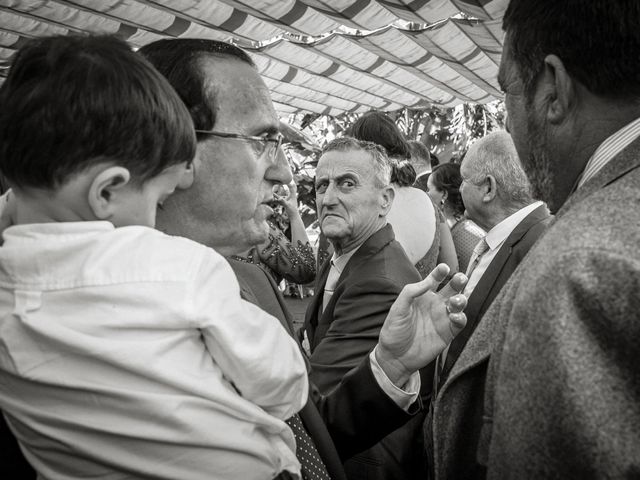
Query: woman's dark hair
[402,173]
[446,178]
[71,102]
[378,128]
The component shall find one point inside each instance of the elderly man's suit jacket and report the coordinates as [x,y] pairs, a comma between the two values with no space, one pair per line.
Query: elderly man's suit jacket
[552,368]
[508,257]
[340,423]
[347,330]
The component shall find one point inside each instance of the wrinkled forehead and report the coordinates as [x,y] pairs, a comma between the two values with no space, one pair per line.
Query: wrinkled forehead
[240,99]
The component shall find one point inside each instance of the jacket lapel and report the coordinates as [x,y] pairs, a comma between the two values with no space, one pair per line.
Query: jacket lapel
[314,309]
[370,247]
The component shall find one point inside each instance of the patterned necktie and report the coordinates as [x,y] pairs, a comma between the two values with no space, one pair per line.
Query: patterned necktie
[478,251]
[313,467]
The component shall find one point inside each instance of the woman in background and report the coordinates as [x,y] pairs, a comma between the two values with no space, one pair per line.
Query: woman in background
[444,189]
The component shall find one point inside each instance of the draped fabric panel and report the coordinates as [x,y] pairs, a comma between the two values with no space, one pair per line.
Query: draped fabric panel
[321,56]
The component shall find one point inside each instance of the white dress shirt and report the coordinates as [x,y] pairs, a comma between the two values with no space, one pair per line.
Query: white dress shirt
[127,353]
[495,238]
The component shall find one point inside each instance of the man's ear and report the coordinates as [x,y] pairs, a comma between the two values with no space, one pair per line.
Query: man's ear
[188,177]
[490,188]
[105,190]
[557,88]
[388,194]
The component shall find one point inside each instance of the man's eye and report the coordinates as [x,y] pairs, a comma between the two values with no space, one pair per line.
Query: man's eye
[347,184]
[321,187]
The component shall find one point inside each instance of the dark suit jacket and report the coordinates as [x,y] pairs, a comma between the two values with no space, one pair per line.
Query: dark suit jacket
[497,274]
[339,423]
[551,370]
[346,332]
[509,256]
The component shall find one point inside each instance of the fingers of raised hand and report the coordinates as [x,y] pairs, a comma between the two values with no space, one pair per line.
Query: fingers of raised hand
[456,303]
[455,285]
[429,283]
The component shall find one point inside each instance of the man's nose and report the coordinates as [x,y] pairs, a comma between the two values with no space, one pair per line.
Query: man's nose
[329,197]
[279,171]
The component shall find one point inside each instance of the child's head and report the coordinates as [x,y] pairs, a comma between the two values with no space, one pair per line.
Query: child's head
[89,124]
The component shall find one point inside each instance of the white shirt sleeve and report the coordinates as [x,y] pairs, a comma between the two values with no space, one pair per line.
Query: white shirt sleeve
[403,397]
[250,346]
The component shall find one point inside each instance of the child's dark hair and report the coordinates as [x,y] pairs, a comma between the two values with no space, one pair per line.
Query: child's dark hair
[72,102]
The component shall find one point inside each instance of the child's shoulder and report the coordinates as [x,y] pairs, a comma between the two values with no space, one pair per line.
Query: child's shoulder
[174,252]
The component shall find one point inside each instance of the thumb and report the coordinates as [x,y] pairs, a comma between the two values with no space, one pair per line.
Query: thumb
[413,290]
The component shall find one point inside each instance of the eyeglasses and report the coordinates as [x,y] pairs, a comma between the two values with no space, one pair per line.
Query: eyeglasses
[268,145]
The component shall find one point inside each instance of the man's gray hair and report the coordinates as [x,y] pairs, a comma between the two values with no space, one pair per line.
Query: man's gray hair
[378,154]
[496,155]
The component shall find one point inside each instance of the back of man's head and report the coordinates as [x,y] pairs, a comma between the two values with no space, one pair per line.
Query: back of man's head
[179,61]
[495,155]
[598,42]
[71,102]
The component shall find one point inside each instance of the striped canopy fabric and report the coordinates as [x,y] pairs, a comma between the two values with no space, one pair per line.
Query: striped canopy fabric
[322,56]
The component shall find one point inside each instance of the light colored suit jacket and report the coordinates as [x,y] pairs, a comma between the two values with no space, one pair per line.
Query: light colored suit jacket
[552,368]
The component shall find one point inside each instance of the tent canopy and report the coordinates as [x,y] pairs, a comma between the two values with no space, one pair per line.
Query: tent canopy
[322,56]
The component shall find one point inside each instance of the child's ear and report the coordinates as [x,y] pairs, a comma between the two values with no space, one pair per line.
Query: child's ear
[105,189]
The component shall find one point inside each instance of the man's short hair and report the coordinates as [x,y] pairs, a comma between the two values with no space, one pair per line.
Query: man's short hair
[71,102]
[178,59]
[598,42]
[379,128]
[380,159]
[496,155]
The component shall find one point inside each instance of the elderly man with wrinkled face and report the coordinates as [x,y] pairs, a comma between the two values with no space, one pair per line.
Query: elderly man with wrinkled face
[357,286]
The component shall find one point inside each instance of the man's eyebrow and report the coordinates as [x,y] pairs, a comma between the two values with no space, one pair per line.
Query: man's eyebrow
[346,176]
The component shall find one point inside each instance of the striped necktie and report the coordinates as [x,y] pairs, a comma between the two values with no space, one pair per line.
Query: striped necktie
[330,285]
[478,251]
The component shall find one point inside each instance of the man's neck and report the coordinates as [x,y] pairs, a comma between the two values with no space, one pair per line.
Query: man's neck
[343,246]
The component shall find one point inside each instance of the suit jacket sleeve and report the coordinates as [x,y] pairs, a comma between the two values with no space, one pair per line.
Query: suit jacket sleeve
[358,413]
[567,373]
[358,315]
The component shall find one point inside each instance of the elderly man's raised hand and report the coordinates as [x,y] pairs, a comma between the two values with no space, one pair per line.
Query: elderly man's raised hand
[420,324]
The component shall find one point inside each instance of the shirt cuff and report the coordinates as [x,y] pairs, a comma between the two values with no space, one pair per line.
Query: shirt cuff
[403,397]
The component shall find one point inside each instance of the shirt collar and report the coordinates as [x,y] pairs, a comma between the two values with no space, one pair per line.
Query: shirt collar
[340,262]
[498,234]
[608,150]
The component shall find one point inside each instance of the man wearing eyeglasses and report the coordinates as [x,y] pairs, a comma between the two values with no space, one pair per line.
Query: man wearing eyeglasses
[226,208]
